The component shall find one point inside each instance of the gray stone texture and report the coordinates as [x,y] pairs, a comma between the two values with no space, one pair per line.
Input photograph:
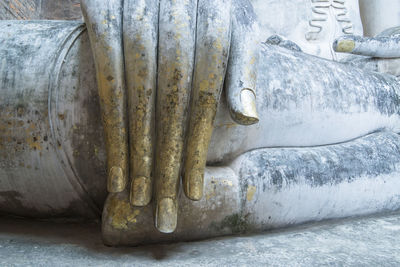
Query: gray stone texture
[40,9]
[368,241]
[19,9]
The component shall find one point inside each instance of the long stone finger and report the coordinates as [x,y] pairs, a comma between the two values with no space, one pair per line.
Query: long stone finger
[212,49]
[382,46]
[140,37]
[242,69]
[177,23]
[104,24]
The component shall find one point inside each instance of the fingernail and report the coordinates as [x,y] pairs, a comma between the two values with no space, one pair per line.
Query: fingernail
[248,100]
[166,215]
[345,45]
[140,191]
[194,186]
[116,181]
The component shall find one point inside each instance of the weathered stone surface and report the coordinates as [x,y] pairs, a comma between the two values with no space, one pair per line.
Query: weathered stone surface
[40,9]
[273,188]
[304,100]
[366,241]
[378,15]
[333,103]
[61,10]
[20,9]
[37,178]
[313,25]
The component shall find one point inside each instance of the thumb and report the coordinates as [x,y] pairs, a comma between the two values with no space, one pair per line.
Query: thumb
[240,85]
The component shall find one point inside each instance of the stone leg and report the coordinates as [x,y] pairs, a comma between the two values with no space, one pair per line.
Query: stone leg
[272,188]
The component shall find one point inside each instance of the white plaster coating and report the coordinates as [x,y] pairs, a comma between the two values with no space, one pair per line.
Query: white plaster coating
[307,101]
[301,203]
[378,15]
[390,66]
[27,81]
[291,19]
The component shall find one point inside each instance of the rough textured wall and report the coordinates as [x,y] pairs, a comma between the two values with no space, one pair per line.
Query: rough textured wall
[20,9]
[40,9]
[60,9]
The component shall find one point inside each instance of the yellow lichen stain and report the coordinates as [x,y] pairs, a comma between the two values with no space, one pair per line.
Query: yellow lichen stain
[211,194]
[227,125]
[132,217]
[212,187]
[96,151]
[251,190]
[61,116]
[204,85]
[31,127]
[18,134]
[345,46]
[227,182]
[122,213]
[34,142]
[218,45]
[20,111]
[253,60]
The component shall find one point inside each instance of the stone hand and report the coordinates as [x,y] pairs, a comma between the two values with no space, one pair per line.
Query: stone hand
[193,42]
[191,39]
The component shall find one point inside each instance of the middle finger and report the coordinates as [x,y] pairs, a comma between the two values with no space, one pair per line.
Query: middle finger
[177,23]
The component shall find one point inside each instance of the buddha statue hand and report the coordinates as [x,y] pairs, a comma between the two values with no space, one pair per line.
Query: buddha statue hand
[160,66]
